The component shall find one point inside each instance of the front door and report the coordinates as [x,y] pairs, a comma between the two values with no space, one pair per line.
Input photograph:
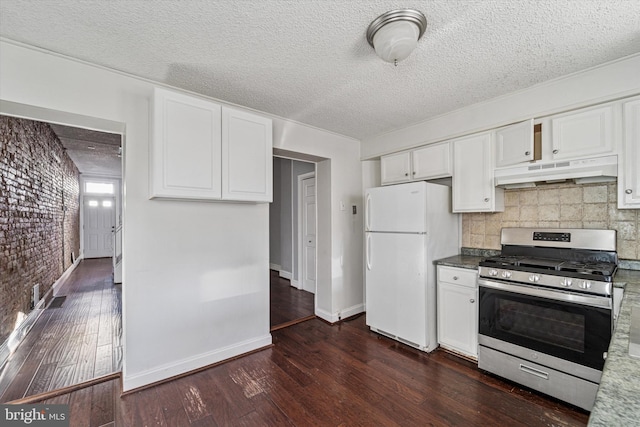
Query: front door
[308,273]
[99,222]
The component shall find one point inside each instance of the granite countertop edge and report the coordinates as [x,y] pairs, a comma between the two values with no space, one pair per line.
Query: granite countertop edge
[618,398]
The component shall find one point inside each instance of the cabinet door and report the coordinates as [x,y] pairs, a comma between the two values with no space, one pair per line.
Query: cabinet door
[395,168]
[185,147]
[432,161]
[473,189]
[583,133]
[629,178]
[457,318]
[514,144]
[247,163]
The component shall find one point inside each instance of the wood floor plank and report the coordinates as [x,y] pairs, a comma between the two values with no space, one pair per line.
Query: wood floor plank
[61,336]
[102,405]
[41,380]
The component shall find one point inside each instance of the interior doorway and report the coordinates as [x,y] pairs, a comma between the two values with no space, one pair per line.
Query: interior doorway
[292,225]
[81,312]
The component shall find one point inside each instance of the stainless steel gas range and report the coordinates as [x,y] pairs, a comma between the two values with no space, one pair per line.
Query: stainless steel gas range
[546,310]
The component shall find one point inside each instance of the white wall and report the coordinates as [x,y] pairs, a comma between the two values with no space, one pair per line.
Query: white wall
[599,84]
[195,274]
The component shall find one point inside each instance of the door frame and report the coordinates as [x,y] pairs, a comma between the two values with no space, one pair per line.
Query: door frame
[300,236]
[117,195]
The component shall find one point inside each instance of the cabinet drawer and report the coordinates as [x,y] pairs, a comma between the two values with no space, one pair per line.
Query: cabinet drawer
[459,276]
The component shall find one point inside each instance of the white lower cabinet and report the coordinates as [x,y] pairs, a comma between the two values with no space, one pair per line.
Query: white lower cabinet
[458,310]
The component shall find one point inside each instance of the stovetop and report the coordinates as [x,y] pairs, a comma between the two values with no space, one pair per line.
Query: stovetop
[568,268]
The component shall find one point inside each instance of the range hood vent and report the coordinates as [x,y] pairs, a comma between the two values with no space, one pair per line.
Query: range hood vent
[583,171]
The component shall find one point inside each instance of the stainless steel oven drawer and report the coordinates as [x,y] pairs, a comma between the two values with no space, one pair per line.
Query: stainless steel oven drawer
[562,386]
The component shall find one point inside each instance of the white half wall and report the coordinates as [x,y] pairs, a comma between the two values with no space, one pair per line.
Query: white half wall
[196,275]
[606,82]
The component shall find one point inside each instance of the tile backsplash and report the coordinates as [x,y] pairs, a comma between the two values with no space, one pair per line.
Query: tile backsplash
[557,206]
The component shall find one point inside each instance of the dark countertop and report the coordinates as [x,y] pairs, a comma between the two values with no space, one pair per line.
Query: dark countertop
[460,261]
[618,398]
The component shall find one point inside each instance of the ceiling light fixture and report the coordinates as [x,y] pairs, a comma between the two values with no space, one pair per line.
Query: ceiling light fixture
[395,34]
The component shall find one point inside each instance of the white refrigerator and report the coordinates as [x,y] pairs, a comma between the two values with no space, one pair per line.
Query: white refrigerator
[407,227]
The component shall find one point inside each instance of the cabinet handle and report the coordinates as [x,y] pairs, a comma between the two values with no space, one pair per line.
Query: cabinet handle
[414,172]
[555,151]
[628,191]
[455,277]
[526,153]
[472,300]
[486,199]
[406,174]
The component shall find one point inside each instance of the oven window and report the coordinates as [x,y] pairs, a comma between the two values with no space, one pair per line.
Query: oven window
[546,325]
[569,331]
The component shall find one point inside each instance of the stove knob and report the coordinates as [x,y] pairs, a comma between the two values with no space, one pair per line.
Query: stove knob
[585,285]
[506,274]
[493,272]
[566,282]
[534,278]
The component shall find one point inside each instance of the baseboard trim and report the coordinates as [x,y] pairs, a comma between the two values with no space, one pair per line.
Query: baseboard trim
[340,315]
[21,331]
[275,267]
[286,274]
[292,322]
[296,284]
[65,390]
[189,365]
[65,275]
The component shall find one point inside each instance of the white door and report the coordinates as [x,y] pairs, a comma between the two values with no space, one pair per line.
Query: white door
[308,272]
[99,221]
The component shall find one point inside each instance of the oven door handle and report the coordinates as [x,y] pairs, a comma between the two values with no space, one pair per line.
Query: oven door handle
[589,300]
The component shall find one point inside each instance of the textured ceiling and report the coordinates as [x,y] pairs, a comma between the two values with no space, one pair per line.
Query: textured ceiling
[94,153]
[308,60]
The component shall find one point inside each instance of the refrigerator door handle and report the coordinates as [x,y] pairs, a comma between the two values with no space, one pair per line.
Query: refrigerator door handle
[367,212]
[367,251]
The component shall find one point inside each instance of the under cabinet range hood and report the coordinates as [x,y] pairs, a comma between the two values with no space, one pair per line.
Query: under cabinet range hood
[583,171]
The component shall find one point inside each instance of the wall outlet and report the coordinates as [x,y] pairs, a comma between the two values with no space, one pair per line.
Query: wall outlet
[354,210]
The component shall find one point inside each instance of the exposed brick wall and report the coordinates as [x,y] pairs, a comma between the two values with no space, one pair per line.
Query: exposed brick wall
[39,214]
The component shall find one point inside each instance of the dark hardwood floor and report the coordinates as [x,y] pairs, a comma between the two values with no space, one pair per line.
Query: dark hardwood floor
[288,304]
[74,343]
[323,375]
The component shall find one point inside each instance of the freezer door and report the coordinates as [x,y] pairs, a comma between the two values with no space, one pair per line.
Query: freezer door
[397,208]
[396,285]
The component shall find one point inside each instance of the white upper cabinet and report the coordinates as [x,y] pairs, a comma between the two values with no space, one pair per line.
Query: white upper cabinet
[395,168]
[429,162]
[432,161]
[629,164]
[185,147]
[200,150]
[473,187]
[247,141]
[583,133]
[514,144]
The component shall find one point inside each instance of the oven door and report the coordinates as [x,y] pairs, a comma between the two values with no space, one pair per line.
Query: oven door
[569,326]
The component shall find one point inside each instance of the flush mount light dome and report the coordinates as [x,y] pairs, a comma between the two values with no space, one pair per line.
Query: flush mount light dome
[395,34]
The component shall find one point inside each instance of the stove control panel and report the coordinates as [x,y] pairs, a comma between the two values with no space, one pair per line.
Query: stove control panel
[551,237]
